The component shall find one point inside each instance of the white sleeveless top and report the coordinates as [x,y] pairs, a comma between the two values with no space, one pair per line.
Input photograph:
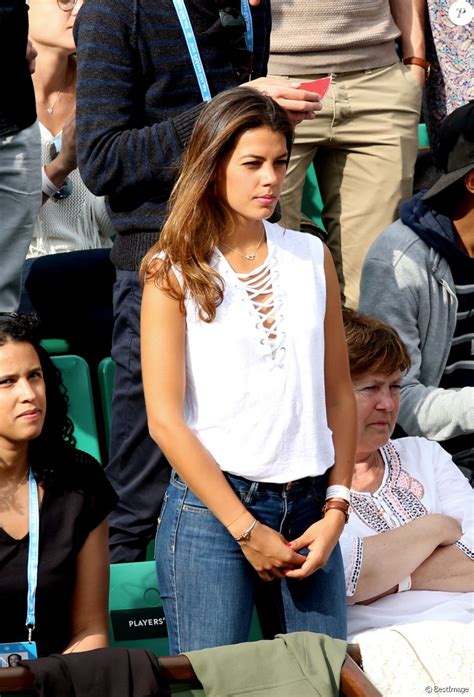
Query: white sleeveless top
[254,393]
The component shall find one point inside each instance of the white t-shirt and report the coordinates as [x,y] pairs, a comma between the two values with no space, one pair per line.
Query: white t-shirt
[257,403]
[420,478]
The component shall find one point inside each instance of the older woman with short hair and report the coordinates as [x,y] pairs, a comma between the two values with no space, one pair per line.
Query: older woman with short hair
[408,545]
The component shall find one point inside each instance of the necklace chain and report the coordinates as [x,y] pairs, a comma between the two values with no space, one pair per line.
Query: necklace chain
[20,483]
[252,255]
[50,108]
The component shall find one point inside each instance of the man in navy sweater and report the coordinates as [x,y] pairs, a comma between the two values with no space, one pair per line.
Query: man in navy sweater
[138,97]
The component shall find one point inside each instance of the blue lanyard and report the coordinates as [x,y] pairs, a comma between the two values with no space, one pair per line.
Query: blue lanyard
[193,49]
[33,548]
[247,15]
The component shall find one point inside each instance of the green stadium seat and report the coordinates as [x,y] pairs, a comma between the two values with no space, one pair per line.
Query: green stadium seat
[106,375]
[423,140]
[312,203]
[77,380]
[55,346]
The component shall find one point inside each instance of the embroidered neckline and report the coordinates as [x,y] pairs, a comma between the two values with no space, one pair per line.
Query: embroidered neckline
[396,501]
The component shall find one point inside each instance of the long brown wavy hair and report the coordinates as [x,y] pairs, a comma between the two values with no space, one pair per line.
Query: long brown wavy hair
[198,216]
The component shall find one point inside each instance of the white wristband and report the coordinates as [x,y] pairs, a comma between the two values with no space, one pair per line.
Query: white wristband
[338,491]
[404,585]
[47,185]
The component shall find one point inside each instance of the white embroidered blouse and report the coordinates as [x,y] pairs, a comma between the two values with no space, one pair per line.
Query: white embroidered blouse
[420,478]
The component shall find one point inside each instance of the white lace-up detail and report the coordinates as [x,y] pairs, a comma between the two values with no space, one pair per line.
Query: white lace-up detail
[255,374]
[259,286]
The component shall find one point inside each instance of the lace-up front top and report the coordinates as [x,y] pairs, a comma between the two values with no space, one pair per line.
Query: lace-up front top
[259,286]
[254,376]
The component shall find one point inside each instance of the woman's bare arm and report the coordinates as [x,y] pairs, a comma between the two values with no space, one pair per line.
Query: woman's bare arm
[447,569]
[391,556]
[322,537]
[90,607]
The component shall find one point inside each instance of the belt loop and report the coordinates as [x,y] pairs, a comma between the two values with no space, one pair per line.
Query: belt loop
[252,489]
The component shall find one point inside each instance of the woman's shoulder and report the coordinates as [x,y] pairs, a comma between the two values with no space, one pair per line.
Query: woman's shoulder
[300,243]
[81,472]
[82,481]
[420,457]
[417,445]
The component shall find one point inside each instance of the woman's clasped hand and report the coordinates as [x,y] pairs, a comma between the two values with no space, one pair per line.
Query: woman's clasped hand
[270,554]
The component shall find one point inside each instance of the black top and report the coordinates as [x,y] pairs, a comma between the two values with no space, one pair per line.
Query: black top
[78,502]
[17,100]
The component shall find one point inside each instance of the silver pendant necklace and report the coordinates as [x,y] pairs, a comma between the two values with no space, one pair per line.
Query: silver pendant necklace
[251,256]
[50,109]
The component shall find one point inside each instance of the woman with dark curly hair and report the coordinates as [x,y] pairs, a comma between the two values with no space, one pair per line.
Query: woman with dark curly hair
[54,503]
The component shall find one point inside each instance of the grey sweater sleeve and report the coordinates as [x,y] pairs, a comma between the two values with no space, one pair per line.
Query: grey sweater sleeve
[397,293]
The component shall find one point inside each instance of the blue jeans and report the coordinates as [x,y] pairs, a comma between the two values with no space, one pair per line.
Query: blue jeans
[20,200]
[208,587]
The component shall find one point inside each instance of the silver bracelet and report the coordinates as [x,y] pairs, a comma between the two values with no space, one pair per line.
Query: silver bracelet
[245,536]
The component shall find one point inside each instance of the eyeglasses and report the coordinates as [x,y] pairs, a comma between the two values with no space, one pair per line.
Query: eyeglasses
[66,5]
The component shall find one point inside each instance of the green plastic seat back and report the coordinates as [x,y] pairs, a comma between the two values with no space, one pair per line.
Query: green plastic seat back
[423,140]
[136,611]
[55,346]
[135,608]
[106,375]
[77,380]
[312,203]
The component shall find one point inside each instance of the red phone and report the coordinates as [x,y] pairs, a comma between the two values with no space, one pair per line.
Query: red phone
[319,86]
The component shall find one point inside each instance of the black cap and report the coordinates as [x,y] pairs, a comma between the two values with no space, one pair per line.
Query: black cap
[455,154]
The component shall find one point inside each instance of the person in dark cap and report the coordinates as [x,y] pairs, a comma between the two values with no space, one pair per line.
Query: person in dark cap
[419,277]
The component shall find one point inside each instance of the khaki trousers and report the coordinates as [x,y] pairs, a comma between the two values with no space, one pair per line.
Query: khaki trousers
[364,143]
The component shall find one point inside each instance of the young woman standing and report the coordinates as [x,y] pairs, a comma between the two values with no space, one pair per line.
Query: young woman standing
[247,389]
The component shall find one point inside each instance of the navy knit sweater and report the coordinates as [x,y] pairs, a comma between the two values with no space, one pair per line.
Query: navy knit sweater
[138,99]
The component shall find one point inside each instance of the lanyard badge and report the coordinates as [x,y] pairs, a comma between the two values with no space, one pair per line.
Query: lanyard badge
[13,652]
[193,49]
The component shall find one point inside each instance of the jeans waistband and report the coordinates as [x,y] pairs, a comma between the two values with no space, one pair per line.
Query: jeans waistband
[296,485]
